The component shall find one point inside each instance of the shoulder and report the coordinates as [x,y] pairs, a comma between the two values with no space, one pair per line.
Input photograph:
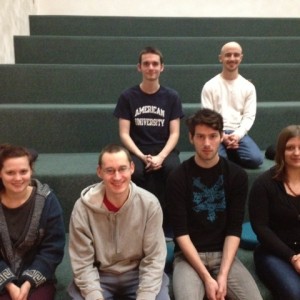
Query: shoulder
[213,80]
[182,171]
[266,178]
[233,171]
[167,91]
[143,194]
[45,192]
[245,81]
[130,91]
[42,189]
[143,198]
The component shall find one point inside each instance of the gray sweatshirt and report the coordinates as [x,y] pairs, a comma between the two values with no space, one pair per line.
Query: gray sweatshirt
[129,239]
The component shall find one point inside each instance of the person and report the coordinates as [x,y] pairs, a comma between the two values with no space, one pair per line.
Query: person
[31,229]
[117,246]
[274,210]
[234,97]
[149,123]
[206,203]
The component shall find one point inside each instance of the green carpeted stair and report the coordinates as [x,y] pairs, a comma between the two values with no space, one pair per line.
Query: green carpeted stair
[59,96]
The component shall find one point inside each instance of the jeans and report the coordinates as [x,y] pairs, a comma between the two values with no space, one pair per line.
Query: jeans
[248,154]
[188,285]
[121,287]
[277,274]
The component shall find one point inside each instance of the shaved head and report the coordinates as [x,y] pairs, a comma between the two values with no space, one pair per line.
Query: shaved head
[231,45]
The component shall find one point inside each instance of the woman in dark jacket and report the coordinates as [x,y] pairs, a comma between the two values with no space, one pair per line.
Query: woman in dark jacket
[274,207]
[32,235]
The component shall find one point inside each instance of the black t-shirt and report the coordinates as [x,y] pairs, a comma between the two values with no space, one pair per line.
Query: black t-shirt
[18,219]
[207,204]
[149,114]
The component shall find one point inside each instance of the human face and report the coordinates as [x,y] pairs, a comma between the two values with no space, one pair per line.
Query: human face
[115,171]
[16,175]
[292,153]
[231,56]
[206,142]
[150,66]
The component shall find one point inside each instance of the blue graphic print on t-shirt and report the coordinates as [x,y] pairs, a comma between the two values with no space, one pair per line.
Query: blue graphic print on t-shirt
[209,199]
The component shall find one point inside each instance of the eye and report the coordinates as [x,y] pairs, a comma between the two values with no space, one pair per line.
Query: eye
[289,148]
[109,171]
[123,169]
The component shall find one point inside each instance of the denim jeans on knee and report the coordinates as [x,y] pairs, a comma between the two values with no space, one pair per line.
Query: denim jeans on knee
[277,274]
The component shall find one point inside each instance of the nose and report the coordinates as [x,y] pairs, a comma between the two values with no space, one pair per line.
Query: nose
[117,174]
[206,141]
[17,176]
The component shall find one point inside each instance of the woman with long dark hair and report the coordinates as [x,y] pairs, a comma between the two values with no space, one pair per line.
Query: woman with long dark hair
[274,207]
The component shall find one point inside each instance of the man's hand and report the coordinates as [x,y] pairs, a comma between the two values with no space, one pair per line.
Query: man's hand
[231,141]
[211,289]
[222,284]
[295,261]
[153,162]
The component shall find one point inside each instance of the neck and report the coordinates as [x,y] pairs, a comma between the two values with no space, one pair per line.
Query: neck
[293,175]
[230,75]
[14,200]
[292,183]
[117,200]
[206,164]
[149,87]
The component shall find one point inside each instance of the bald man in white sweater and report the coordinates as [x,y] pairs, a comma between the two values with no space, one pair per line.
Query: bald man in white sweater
[234,97]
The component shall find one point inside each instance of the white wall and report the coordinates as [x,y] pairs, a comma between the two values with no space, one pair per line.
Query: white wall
[13,21]
[14,13]
[187,8]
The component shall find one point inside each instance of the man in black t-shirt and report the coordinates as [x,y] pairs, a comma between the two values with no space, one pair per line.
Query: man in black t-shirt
[149,123]
[206,198]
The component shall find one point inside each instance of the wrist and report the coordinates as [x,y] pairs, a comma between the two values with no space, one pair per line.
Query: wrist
[293,259]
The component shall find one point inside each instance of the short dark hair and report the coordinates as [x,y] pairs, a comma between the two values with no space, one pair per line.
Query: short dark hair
[113,148]
[8,151]
[151,50]
[206,117]
[284,136]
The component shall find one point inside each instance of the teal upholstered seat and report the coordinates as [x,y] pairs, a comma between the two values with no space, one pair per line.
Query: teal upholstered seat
[248,238]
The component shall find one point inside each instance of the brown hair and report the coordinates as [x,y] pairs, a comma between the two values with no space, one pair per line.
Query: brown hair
[284,136]
[8,151]
[152,50]
[206,117]
[113,148]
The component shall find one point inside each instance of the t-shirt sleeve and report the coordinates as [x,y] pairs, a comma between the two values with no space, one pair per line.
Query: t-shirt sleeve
[122,109]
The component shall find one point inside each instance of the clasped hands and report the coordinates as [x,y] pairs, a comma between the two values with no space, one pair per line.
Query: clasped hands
[231,141]
[295,261]
[18,293]
[153,163]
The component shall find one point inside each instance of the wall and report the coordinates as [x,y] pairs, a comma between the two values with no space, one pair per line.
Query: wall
[13,21]
[187,8]
[14,13]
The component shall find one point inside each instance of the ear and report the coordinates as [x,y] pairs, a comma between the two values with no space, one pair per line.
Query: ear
[191,138]
[162,67]
[99,172]
[132,167]
[138,66]
[220,58]
[222,137]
